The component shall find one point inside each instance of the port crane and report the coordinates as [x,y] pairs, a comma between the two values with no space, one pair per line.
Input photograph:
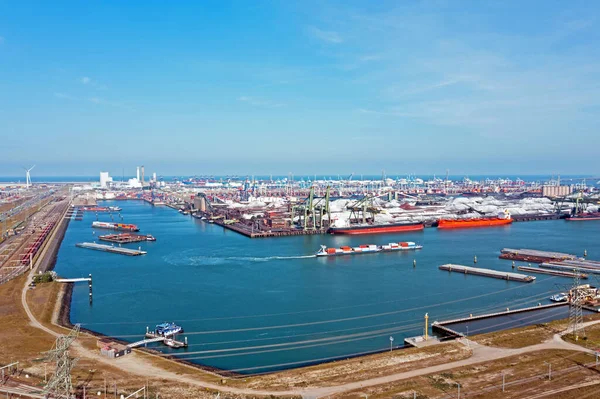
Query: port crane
[360,210]
[312,211]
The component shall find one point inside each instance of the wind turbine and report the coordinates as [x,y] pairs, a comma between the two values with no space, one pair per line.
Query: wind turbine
[28,176]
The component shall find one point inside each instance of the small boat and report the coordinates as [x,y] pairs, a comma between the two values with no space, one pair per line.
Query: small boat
[114,209]
[150,237]
[167,329]
[562,297]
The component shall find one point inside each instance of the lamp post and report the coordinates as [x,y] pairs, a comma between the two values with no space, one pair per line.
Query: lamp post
[391,342]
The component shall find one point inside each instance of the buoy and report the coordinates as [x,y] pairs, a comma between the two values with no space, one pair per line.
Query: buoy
[584,253]
[414,263]
[475,259]
[513,265]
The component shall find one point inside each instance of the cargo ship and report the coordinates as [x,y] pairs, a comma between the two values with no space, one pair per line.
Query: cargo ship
[500,220]
[115,226]
[378,228]
[581,217]
[368,249]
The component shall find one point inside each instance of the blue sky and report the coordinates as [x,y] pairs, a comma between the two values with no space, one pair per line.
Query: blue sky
[305,87]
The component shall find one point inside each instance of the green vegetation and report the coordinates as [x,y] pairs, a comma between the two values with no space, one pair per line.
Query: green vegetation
[47,277]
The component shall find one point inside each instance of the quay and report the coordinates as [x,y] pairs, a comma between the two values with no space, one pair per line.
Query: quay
[126,238]
[250,233]
[488,273]
[110,248]
[550,272]
[534,256]
[532,218]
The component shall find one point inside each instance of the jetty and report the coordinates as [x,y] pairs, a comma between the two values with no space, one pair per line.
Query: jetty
[534,256]
[168,340]
[569,268]
[550,272]
[488,273]
[111,249]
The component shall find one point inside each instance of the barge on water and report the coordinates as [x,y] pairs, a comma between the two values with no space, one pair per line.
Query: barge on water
[551,272]
[111,249]
[126,238]
[115,226]
[534,256]
[502,220]
[488,273]
[366,249]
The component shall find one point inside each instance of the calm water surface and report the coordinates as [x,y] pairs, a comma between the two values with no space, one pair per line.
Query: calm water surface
[263,304]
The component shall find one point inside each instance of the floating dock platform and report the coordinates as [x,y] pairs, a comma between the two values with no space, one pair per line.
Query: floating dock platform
[488,273]
[170,341]
[550,272]
[569,268]
[534,256]
[110,248]
[126,238]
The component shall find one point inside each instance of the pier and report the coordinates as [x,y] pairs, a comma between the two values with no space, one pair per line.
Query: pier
[111,249]
[534,256]
[488,273]
[550,272]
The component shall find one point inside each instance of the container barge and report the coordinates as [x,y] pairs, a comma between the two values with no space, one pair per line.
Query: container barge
[378,228]
[367,249]
[115,226]
[126,238]
[501,220]
[488,273]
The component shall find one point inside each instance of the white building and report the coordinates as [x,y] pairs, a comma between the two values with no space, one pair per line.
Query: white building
[105,179]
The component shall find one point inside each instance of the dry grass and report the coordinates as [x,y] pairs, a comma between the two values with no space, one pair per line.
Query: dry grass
[363,367]
[484,380]
[525,336]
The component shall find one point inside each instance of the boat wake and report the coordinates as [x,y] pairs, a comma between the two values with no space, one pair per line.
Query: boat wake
[178,260]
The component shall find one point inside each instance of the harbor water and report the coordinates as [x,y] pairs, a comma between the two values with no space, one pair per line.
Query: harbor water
[258,305]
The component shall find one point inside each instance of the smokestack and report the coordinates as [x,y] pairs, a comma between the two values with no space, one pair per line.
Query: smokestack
[142,175]
[138,173]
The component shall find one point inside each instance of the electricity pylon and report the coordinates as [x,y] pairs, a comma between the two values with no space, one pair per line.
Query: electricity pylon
[576,299]
[59,386]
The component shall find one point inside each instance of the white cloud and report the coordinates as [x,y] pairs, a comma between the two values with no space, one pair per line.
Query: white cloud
[86,80]
[324,35]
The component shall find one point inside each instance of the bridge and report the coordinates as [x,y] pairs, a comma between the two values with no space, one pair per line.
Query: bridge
[145,341]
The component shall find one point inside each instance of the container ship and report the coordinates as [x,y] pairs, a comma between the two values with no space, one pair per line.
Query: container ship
[500,220]
[368,249]
[378,228]
[581,217]
[101,209]
[115,226]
